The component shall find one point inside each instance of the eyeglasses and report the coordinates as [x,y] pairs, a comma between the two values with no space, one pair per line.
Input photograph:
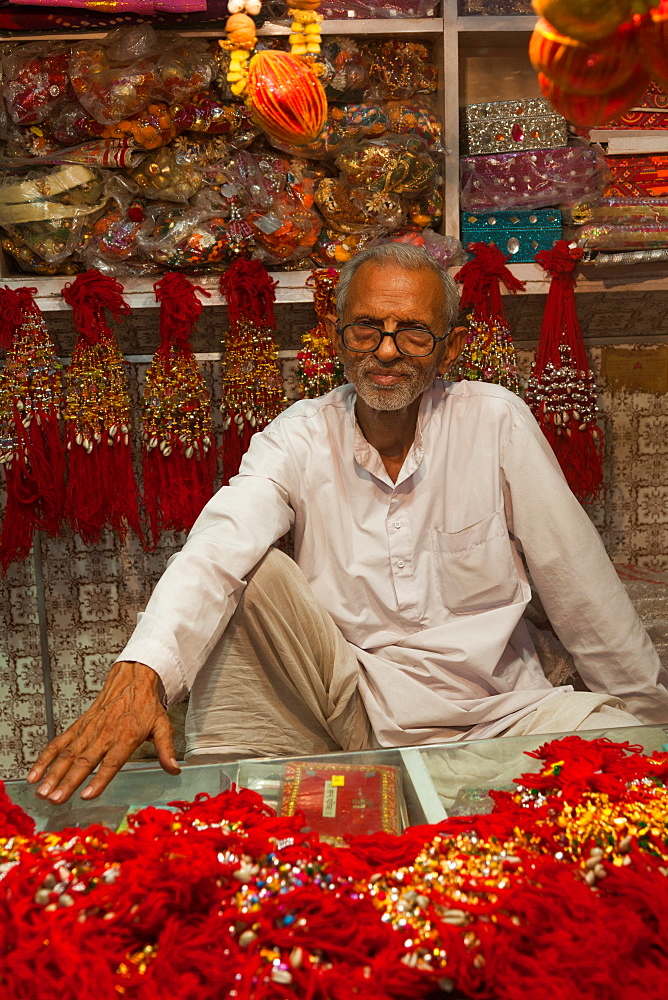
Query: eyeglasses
[363,338]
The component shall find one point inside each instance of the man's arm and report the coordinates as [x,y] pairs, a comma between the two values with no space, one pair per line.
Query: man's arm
[186,615]
[584,599]
[127,711]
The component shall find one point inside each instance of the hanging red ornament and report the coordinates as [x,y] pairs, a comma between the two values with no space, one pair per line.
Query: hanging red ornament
[561,391]
[318,368]
[594,68]
[287,98]
[252,381]
[653,42]
[594,109]
[178,452]
[31,450]
[590,20]
[489,354]
[101,490]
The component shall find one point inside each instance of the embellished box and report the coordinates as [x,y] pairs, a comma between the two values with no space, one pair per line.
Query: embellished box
[520,234]
[505,126]
[528,179]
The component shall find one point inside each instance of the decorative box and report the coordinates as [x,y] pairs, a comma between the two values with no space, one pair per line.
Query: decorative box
[528,179]
[638,176]
[502,126]
[520,234]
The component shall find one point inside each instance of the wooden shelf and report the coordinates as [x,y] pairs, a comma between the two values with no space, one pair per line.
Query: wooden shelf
[349,26]
[518,22]
[139,292]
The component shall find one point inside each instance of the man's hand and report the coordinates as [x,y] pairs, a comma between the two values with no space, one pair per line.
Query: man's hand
[125,713]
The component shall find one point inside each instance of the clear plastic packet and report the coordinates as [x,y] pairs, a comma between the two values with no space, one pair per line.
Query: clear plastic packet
[168,176]
[356,210]
[286,231]
[417,118]
[175,236]
[186,68]
[447,250]
[209,115]
[617,212]
[630,236]
[335,248]
[345,76]
[399,69]
[112,242]
[48,209]
[35,81]
[390,164]
[29,262]
[110,91]
[532,178]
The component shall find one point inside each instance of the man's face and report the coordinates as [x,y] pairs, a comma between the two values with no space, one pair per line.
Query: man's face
[391,297]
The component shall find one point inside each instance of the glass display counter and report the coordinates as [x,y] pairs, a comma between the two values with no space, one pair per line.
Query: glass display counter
[339,794]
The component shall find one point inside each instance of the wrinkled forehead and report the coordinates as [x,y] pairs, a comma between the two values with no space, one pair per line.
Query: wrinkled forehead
[390,289]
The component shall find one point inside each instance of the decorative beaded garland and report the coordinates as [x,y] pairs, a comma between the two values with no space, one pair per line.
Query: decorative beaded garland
[318,368]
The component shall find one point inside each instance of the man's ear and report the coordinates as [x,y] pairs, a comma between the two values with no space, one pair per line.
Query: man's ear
[454,347]
[330,326]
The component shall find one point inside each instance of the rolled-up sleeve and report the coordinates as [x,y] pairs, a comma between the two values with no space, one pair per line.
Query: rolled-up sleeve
[585,601]
[202,584]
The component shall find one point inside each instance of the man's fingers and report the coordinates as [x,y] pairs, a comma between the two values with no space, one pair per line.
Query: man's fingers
[108,769]
[163,738]
[47,755]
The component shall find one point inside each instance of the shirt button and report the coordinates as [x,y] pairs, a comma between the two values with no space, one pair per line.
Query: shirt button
[400,564]
[397,524]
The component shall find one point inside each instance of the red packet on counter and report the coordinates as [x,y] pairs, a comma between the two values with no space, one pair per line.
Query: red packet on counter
[341,800]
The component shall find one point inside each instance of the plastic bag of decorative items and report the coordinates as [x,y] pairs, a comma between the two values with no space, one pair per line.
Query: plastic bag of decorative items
[379,8]
[46,210]
[166,168]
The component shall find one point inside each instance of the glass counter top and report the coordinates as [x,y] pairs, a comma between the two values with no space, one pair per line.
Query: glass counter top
[339,793]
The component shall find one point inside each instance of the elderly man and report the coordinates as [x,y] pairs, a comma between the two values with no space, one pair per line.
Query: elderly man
[416,504]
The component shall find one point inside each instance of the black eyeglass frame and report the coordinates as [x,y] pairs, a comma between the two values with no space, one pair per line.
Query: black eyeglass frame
[393,335]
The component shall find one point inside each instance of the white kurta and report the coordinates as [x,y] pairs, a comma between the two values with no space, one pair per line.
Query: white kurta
[424,576]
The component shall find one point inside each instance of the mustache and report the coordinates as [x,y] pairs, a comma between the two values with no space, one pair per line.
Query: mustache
[396,367]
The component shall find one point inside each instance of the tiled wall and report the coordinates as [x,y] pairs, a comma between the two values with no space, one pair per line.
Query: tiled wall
[93,595]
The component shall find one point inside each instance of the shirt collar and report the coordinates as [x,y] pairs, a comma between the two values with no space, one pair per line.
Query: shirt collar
[367,456]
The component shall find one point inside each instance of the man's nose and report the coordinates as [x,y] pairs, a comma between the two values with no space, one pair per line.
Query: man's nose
[387,349]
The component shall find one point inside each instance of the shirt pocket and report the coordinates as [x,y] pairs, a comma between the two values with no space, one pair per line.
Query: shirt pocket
[475,566]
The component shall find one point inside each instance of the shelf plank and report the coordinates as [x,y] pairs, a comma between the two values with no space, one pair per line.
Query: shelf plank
[478,23]
[348,26]
[623,142]
[139,292]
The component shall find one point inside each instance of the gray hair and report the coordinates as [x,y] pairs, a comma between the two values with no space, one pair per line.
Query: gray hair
[408,256]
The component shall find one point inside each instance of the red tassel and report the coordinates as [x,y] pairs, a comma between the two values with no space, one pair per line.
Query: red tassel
[31,449]
[252,380]
[178,452]
[561,391]
[102,492]
[489,354]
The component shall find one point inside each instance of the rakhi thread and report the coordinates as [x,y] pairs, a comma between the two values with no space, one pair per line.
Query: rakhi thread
[252,381]
[178,449]
[561,390]
[489,353]
[31,449]
[318,368]
[101,490]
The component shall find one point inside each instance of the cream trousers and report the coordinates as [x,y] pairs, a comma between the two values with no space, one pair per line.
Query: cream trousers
[282,681]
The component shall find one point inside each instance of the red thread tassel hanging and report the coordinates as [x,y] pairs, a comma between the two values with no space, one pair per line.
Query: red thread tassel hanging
[178,454]
[101,490]
[561,390]
[252,381]
[318,368]
[489,354]
[31,450]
